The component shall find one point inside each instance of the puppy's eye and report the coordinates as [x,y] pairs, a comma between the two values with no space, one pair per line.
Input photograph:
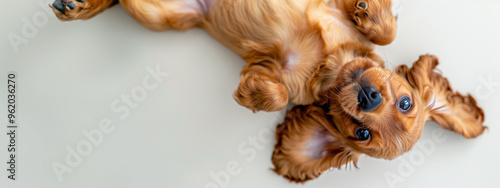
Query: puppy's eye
[404,104]
[362,134]
[362,5]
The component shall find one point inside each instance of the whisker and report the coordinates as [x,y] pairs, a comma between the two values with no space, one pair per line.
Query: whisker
[333,92]
[335,109]
[346,118]
[390,76]
[327,96]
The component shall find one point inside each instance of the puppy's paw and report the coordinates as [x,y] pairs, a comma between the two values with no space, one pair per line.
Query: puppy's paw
[258,93]
[67,10]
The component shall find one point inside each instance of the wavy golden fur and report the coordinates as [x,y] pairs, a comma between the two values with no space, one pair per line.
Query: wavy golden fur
[318,54]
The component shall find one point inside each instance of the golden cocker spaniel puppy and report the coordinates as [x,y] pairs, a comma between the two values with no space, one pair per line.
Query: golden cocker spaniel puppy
[319,54]
[282,41]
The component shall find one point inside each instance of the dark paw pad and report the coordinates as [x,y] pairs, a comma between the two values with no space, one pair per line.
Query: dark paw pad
[71,5]
[59,5]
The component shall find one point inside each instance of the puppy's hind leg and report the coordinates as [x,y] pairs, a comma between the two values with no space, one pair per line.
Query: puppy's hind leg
[68,10]
[159,15]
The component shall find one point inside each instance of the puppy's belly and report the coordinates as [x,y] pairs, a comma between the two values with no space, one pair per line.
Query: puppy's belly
[297,70]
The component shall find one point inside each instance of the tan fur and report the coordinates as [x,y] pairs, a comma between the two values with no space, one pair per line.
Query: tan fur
[163,15]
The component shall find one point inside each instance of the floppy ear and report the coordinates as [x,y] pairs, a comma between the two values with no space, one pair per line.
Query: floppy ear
[307,146]
[450,109]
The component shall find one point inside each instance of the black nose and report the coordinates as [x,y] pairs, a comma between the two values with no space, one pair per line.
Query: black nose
[369,99]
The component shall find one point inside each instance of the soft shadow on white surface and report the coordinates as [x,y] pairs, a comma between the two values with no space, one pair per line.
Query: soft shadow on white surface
[70,74]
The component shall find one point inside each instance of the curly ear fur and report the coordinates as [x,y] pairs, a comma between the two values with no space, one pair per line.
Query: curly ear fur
[308,144]
[450,109]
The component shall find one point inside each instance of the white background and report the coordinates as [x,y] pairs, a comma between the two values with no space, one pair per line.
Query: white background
[70,73]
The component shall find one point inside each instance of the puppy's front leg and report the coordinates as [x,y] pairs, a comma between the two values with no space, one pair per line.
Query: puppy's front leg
[261,87]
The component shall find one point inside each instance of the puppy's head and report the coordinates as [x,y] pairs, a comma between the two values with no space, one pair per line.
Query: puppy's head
[376,19]
[378,112]
[370,110]
[381,113]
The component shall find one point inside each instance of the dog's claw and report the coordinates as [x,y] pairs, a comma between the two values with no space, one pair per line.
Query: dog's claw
[58,4]
[71,5]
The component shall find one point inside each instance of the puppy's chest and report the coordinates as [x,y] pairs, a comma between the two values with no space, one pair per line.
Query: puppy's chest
[292,60]
[336,30]
[301,52]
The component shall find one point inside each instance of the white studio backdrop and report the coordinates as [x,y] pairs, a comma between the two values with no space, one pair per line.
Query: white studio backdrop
[81,97]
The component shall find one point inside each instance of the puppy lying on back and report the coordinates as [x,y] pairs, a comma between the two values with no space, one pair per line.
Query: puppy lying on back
[310,51]
[283,41]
